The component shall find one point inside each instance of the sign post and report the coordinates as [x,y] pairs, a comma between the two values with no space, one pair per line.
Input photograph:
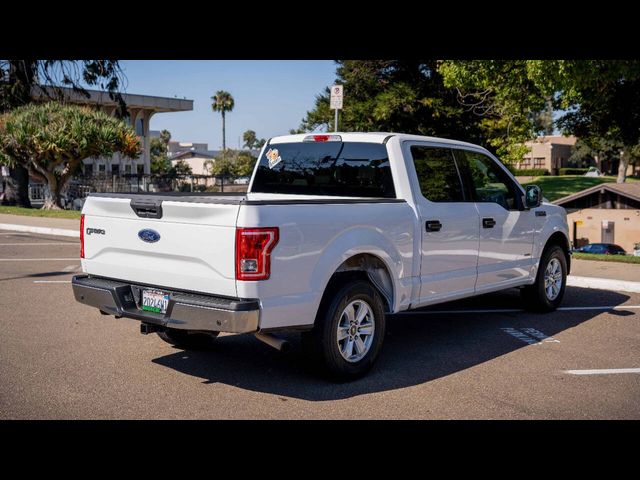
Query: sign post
[337,92]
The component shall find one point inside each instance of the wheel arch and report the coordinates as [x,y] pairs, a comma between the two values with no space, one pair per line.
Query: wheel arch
[560,239]
[365,266]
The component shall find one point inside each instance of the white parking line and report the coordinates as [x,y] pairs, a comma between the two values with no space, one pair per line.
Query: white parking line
[515,310]
[35,259]
[43,243]
[603,371]
[52,281]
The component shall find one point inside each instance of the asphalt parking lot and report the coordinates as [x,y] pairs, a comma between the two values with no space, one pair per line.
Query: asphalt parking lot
[481,358]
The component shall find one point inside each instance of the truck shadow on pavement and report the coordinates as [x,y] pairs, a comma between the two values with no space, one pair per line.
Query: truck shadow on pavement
[417,348]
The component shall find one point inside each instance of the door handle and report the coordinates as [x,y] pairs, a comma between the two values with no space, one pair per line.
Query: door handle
[488,222]
[433,225]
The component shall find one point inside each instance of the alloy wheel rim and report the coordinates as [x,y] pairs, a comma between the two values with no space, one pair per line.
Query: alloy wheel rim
[553,279]
[356,329]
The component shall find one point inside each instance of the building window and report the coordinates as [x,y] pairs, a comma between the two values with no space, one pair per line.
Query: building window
[102,168]
[538,162]
[140,169]
[88,169]
[127,169]
[115,169]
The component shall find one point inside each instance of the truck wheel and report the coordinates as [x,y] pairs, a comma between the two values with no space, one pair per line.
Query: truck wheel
[546,294]
[188,341]
[348,333]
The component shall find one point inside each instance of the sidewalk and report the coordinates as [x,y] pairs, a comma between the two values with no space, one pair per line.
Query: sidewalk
[43,225]
[618,271]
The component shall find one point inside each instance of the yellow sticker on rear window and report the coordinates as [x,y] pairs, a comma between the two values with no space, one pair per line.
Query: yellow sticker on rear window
[274,157]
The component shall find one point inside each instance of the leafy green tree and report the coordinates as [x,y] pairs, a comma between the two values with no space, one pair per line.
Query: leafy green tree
[396,96]
[600,98]
[504,96]
[51,140]
[222,102]
[181,168]
[232,164]
[221,166]
[250,139]
[23,81]
[244,164]
[160,163]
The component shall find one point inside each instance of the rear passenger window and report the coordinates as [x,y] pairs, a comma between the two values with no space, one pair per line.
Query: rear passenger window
[437,174]
[349,169]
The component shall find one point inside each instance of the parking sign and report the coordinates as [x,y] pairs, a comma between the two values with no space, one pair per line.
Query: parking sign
[336,97]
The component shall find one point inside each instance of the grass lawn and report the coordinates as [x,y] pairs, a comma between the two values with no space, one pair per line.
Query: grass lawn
[607,258]
[36,212]
[554,188]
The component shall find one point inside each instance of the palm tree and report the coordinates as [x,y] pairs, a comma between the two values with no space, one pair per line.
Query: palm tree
[223,103]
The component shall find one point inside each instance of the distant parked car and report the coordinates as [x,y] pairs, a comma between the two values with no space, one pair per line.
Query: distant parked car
[602,249]
[241,181]
[593,172]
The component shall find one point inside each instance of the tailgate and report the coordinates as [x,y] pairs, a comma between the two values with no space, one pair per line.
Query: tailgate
[194,251]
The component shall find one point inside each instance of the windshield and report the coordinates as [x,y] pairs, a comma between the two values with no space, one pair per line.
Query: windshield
[344,169]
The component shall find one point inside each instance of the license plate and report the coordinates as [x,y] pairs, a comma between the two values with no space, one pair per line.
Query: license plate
[155,301]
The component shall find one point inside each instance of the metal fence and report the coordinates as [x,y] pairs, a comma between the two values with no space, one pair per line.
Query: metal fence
[79,187]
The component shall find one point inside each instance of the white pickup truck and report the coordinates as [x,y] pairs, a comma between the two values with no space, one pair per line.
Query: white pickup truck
[335,231]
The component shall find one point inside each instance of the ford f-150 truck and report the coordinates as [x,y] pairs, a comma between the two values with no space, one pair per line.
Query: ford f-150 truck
[334,232]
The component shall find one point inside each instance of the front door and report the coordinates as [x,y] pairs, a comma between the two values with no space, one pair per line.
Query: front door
[449,224]
[506,228]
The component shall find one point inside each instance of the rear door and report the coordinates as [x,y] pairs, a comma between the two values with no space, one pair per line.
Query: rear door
[191,247]
[450,225]
[506,229]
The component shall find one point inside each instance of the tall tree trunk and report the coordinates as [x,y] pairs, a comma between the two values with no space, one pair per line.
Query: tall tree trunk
[22,76]
[17,187]
[52,190]
[622,167]
[224,143]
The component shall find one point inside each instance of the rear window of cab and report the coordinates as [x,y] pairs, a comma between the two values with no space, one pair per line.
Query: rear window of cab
[345,169]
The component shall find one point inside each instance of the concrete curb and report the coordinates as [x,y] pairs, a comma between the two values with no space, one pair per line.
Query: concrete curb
[603,284]
[42,230]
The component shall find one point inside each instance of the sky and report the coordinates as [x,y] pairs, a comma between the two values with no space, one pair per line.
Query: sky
[271,97]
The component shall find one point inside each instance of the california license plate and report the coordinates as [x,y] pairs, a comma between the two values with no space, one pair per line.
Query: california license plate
[155,301]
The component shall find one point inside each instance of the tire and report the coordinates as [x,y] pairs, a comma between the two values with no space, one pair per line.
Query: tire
[187,340]
[354,355]
[538,297]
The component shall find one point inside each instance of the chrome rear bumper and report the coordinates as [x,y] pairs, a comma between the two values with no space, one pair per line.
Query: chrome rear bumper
[186,311]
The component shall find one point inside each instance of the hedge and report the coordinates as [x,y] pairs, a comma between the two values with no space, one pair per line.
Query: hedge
[529,172]
[573,171]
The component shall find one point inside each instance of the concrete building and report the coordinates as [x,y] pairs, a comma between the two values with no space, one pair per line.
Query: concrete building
[140,109]
[196,159]
[549,152]
[175,147]
[605,213]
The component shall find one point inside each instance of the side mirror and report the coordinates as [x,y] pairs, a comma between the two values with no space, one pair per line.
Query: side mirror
[533,196]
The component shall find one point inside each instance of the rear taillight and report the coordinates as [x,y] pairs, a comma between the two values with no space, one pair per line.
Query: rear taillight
[82,236]
[253,252]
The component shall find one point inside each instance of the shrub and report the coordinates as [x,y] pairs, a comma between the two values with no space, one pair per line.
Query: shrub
[573,171]
[529,172]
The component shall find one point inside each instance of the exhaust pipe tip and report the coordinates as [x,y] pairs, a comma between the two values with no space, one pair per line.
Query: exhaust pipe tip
[275,342]
[285,347]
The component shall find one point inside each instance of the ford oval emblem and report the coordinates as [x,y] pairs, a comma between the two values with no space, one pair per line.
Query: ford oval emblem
[148,235]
